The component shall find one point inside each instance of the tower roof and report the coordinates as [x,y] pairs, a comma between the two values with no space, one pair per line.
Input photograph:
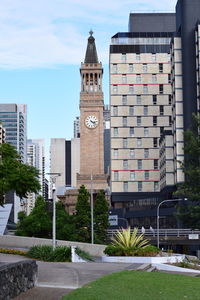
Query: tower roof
[91,52]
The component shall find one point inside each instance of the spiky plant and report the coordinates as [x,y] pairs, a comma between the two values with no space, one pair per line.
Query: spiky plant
[129,242]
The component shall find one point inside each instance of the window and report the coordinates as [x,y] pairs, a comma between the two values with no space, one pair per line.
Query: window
[116,175]
[144,67]
[114,68]
[139,142]
[145,110]
[156,187]
[124,79]
[116,154]
[161,130]
[115,111]
[170,99]
[170,120]
[161,68]
[154,121]
[132,175]
[140,186]
[125,164]
[154,99]
[130,68]
[131,110]
[138,99]
[131,131]
[124,121]
[154,78]
[115,131]
[131,90]
[145,88]
[132,153]
[123,57]
[138,121]
[137,56]
[138,78]
[146,131]
[125,143]
[161,88]
[139,163]
[155,142]
[146,153]
[155,164]
[124,99]
[169,78]
[115,89]
[146,175]
[153,57]
[125,187]
[161,110]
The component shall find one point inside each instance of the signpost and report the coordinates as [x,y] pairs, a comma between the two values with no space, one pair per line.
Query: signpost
[113,220]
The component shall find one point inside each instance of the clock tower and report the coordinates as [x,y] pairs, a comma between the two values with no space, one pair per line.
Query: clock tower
[91,120]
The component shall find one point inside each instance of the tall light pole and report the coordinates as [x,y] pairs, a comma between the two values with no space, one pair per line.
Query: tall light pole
[158,217]
[53,179]
[92,211]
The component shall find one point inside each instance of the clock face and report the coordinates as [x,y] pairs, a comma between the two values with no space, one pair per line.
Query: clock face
[91,121]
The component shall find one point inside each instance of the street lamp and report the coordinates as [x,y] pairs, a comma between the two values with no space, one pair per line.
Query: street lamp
[92,211]
[53,179]
[158,217]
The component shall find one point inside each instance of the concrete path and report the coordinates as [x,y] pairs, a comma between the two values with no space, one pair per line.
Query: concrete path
[57,279]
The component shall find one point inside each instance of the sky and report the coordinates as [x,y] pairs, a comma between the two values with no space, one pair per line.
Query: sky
[42,44]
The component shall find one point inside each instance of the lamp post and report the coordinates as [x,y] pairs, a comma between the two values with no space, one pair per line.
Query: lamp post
[158,217]
[53,179]
[92,211]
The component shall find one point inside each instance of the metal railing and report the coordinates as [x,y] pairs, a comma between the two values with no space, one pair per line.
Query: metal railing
[162,232]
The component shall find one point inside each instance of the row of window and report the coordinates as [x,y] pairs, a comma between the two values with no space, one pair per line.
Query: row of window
[140,186]
[132,175]
[139,164]
[131,68]
[138,78]
[131,153]
[139,99]
[131,89]
[131,110]
[138,57]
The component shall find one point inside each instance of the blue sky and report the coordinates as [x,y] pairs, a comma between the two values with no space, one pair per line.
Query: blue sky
[42,44]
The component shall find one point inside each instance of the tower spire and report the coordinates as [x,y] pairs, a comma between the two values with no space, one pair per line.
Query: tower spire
[91,52]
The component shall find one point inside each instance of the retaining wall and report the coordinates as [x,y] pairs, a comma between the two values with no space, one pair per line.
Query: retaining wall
[16,278]
[27,242]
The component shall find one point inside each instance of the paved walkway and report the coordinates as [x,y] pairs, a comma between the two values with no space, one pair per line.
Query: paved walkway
[57,279]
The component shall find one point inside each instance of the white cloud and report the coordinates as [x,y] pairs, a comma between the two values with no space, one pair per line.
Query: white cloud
[47,33]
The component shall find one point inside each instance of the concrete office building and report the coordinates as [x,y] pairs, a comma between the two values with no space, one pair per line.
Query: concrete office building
[36,158]
[77,127]
[154,77]
[13,118]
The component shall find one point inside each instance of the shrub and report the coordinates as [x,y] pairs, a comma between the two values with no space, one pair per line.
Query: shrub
[12,251]
[46,253]
[83,254]
[149,250]
[112,250]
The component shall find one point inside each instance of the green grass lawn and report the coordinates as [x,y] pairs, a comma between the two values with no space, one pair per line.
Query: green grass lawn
[137,285]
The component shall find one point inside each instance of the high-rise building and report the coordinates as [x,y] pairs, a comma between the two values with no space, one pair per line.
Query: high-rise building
[13,119]
[36,158]
[154,77]
[77,127]
[2,134]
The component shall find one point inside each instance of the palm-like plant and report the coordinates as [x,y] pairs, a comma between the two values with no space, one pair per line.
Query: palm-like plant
[129,242]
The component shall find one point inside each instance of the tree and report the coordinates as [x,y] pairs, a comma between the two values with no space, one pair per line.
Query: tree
[65,227]
[16,176]
[100,218]
[190,189]
[82,217]
[38,223]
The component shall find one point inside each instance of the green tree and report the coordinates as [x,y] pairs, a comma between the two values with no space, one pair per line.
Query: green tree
[65,227]
[82,217]
[100,218]
[190,189]
[38,223]
[16,176]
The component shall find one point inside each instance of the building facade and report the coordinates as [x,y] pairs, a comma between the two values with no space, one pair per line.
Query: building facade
[2,134]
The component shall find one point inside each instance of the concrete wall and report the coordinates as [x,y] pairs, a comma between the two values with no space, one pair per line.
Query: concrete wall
[27,242]
[17,278]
